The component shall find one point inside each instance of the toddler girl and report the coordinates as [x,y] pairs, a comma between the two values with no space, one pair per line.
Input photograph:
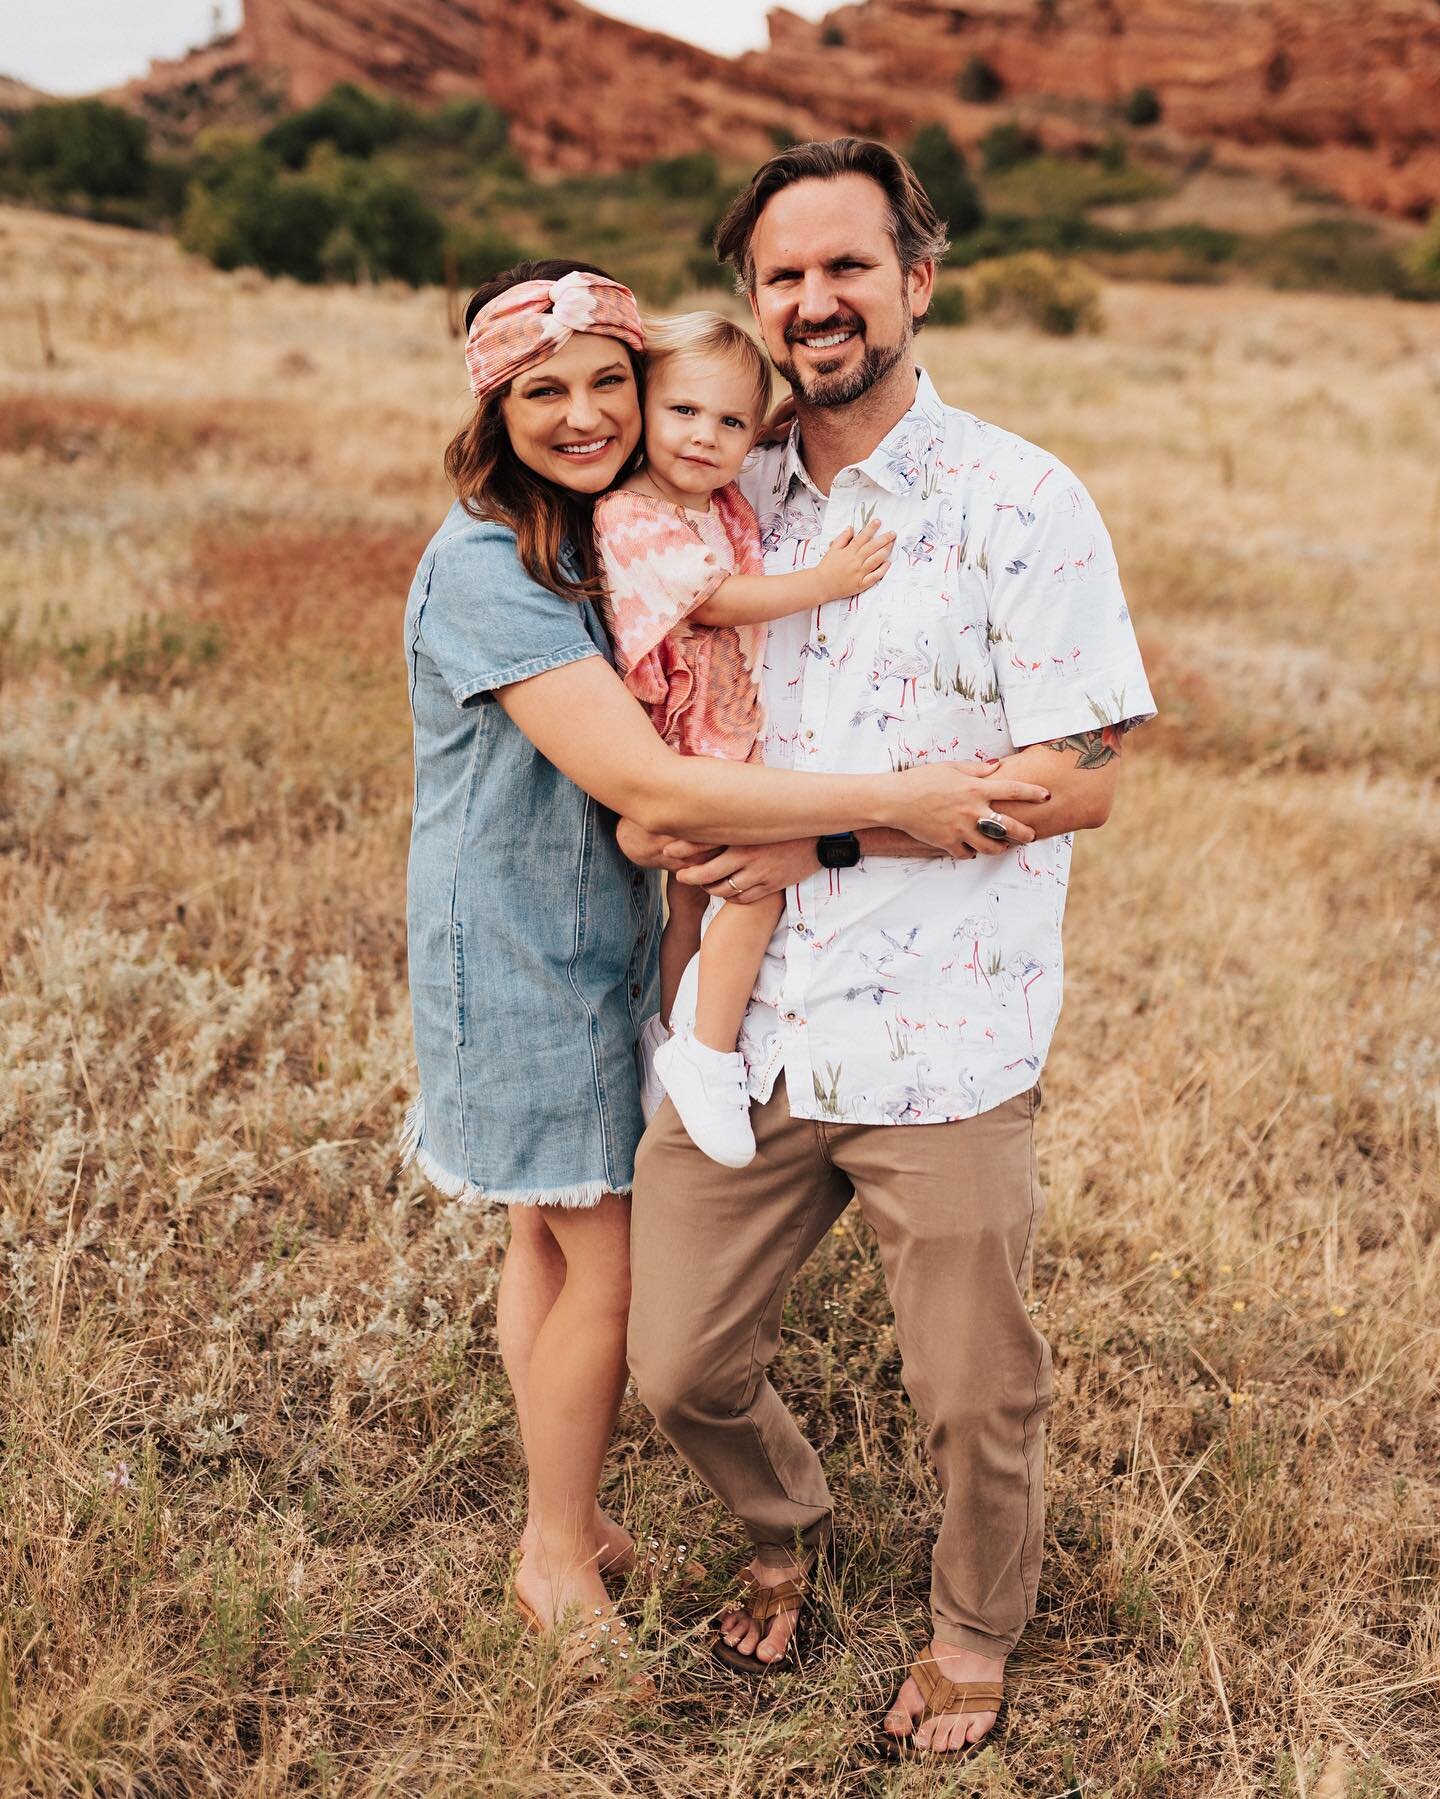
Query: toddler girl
[688,601]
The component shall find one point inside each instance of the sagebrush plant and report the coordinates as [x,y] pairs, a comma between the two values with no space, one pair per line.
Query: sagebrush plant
[258,1462]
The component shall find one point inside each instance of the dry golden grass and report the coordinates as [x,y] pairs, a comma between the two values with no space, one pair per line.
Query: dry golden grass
[260,1480]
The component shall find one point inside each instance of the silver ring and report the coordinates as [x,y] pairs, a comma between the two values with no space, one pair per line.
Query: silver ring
[993,827]
[730,879]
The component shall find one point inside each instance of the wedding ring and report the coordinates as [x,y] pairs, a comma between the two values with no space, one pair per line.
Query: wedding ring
[730,879]
[993,827]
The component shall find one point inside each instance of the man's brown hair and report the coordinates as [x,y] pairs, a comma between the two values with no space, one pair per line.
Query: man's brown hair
[915,227]
[491,482]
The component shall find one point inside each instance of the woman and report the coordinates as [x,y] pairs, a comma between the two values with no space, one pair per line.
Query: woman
[532,939]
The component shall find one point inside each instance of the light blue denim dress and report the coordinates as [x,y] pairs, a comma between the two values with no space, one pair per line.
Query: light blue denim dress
[532,940]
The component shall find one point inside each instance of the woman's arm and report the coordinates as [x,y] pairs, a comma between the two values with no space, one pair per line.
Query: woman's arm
[853,563]
[581,718]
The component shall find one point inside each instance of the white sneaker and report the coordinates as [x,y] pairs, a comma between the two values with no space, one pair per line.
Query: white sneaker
[652,1035]
[711,1092]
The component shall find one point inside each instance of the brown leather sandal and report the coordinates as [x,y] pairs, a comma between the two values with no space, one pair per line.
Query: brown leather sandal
[763,1604]
[941,1696]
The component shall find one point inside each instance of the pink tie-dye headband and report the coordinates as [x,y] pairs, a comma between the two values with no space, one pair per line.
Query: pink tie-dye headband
[529,322]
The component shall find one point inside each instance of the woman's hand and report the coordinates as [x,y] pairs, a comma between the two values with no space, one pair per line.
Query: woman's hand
[944,802]
[646,849]
[777,427]
[753,873]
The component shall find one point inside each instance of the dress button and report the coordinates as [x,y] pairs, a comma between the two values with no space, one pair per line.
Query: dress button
[819,637]
[808,736]
[789,1017]
[801,929]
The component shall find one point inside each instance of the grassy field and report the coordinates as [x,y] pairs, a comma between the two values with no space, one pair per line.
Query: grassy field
[259,1481]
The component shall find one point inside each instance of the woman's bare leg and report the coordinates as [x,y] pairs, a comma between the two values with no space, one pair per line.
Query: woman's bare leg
[530,1283]
[730,959]
[573,1385]
[684,907]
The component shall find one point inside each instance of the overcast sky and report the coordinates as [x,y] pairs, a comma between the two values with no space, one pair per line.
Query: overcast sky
[77,46]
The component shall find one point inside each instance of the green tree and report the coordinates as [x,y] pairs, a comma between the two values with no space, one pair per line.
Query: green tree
[978,83]
[84,146]
[1143,107]
[355,122]
[1424,258]
[940,164]
[1007,145]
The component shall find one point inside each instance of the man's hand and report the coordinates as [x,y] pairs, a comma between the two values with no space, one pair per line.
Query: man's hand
[752,873]
[647,850]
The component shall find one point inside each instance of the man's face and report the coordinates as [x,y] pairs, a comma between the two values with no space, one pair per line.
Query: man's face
[836,312]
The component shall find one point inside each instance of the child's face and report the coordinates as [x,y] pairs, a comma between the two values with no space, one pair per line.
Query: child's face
[700,421]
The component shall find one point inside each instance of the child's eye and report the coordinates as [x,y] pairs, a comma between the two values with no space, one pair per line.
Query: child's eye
[681,408]
[734,423]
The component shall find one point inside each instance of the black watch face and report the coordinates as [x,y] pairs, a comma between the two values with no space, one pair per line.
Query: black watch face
[839,852]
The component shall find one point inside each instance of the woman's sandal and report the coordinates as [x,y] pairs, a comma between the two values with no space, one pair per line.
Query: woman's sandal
[762,1604]
[595,1649]
[656,1564]
[940,1696]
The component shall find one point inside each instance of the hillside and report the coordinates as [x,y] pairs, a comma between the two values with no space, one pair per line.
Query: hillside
[1341,96]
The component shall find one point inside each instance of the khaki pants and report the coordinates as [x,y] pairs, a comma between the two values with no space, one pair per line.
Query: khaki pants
[954,1208]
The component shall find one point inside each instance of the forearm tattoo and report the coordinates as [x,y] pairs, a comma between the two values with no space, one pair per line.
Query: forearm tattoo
[1093,749]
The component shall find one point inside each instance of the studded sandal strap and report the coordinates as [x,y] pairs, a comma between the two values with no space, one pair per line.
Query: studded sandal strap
[942,1695]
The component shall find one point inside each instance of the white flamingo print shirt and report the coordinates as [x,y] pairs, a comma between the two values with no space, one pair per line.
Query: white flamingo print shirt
[910,991]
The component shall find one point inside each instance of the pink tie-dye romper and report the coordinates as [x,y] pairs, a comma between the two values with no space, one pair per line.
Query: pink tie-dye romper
[699,683]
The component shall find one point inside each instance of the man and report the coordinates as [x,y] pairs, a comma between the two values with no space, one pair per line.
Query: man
[907,1001]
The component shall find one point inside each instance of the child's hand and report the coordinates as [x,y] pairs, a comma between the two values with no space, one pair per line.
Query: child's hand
[855,561]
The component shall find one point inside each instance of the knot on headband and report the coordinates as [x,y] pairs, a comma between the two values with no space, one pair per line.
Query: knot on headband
[529,322]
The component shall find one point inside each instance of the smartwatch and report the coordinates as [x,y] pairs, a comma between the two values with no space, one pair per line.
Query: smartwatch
[840,850]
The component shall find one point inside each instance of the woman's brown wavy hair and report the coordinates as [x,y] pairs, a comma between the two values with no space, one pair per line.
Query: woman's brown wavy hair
[491,482]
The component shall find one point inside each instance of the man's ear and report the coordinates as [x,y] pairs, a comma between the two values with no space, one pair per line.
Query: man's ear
[920,287]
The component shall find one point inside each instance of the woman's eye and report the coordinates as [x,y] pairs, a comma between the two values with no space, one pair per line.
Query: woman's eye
[609,380]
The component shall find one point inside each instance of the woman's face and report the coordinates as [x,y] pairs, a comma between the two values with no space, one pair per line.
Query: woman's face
[575,419]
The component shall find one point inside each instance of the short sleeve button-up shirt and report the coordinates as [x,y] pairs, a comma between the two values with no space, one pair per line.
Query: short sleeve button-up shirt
[911,990]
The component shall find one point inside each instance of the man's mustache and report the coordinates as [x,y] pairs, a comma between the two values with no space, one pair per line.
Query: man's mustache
[836,322]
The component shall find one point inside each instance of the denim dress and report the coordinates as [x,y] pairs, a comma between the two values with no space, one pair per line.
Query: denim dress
[532,940]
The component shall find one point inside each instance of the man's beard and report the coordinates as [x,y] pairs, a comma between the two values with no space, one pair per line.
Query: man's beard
[840,389]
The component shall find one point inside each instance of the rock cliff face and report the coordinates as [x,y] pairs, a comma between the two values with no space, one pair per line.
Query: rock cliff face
[1343,94]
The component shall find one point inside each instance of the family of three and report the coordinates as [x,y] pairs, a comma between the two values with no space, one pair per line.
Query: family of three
[854,678]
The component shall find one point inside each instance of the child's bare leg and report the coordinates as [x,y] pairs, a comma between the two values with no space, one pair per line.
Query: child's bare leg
[730,959]
[680,939]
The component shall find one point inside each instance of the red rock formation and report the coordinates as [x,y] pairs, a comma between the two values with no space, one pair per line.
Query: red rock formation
[1343,94]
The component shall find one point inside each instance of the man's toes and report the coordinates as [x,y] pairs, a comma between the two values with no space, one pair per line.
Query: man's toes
[776,1642]
[977,1725]
[904,1710]
[898,1721]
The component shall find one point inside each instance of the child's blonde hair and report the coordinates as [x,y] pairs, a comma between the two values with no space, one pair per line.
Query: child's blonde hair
[710,334]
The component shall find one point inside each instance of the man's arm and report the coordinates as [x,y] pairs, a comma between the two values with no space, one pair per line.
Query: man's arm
[1080,771]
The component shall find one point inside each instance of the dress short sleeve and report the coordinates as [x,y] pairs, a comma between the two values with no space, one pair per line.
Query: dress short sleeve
[486,624]
[657,570]
[1063,648]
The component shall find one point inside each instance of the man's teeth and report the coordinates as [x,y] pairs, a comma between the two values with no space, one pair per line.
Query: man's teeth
[827,343]
[582,449]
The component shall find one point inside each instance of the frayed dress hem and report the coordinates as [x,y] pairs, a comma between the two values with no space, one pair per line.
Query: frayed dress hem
[455,1186]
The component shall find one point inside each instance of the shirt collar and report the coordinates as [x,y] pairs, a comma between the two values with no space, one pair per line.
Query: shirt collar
[894,463]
